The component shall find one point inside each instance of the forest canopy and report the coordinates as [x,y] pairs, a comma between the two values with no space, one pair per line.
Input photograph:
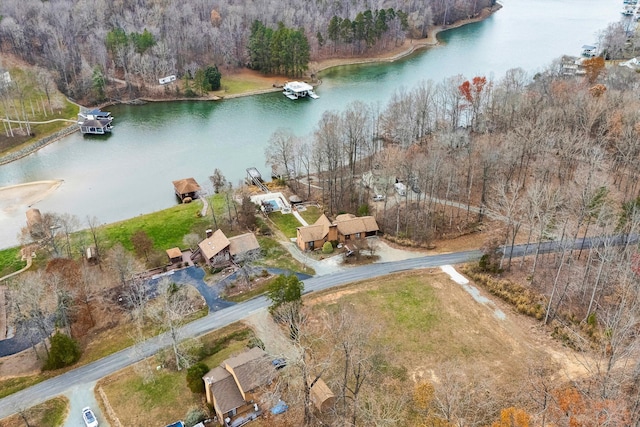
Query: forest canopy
[142,41]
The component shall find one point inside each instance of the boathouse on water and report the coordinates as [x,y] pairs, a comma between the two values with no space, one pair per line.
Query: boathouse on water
[186,188]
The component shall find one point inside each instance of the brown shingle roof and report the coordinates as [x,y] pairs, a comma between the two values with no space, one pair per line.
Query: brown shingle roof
[323,220]
[344,217]
[312,233]
[242,244]
[224,389]
[187,185]
[362,224]
[212,246]
[174,253]
[252,369]
[317,231]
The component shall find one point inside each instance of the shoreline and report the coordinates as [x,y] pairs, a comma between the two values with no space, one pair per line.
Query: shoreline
[26,194]
[408,47]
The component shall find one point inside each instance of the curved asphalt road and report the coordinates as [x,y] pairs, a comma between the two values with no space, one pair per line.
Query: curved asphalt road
[110,364]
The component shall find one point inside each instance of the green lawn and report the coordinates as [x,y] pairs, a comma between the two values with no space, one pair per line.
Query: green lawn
[311,214]
[51,413]
[287,223]
[168,227]
[10,261]
[234,86]
[275,255]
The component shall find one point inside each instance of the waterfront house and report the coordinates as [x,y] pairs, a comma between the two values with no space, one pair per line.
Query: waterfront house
[215,249]
[218,251]
[187,187]
[243,246]
[345,228]
[351,227]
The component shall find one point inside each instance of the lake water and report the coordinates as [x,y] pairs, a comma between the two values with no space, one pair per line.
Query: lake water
[130,172]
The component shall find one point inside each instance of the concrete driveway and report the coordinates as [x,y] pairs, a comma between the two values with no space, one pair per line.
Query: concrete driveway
[333,264]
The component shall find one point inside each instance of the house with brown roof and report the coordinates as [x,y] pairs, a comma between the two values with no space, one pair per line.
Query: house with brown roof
[230,388]
[243,246]
[217,250]
[187,187]
[351,227]
[345,228]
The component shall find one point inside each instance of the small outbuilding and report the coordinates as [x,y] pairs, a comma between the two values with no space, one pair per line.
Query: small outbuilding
[321,396]
[295,199]
[187,187]
[174,254]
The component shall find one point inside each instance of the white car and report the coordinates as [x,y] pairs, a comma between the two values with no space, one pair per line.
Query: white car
[89,418]
[378,198]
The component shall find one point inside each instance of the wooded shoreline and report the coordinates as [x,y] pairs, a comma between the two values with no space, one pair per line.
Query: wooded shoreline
[409,47]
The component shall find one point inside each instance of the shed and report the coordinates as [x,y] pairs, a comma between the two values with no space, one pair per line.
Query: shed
[174,254]
[187,187]
[322,396]
[295,199]
[92,254]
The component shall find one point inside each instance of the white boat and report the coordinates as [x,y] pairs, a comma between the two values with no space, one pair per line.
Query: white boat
[627,11]
[295,90]
[589,50]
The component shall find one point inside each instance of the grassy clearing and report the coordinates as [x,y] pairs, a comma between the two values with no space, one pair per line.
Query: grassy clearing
[166,228]
[234,86]
[10,261]
[424,319]
[51,413]
[311,214]
[287,223]
[161,401]
[406,304]
[166,398]
[277,256]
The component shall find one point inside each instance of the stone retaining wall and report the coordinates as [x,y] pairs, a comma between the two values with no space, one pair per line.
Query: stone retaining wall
[32,148]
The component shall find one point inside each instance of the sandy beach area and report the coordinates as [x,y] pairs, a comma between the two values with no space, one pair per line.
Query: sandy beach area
[23,196]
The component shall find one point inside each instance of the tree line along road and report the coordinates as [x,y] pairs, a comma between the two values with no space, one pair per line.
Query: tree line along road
[52,387]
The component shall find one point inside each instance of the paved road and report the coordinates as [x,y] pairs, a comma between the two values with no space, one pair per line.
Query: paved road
[110,364]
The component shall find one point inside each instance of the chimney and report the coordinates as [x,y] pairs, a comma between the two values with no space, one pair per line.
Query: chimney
[209,232]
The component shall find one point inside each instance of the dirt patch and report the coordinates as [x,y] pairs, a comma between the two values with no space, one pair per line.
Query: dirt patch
[276,343]
[21,364]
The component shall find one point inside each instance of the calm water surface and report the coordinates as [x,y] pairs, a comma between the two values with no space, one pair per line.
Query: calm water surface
[130,172]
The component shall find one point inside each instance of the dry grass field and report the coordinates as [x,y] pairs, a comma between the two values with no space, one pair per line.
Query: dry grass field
[421,321]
